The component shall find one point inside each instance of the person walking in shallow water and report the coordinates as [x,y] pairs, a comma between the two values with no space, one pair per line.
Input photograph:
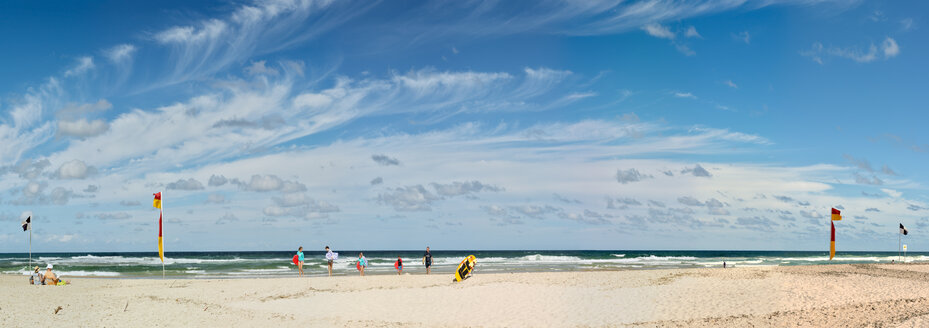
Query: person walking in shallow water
[362,263]
[427,259]
[330,256]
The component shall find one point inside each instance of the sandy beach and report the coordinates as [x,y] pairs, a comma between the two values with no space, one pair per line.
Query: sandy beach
[821,296]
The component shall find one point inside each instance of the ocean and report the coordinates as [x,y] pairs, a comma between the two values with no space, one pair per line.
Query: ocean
[278,264]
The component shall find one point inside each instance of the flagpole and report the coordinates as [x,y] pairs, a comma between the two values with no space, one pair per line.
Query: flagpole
[898,245]
[30,244]
[162,209]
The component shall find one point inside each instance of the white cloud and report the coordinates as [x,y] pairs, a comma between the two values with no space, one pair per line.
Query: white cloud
[263,183]
[217,180]
[685,95]
[207,31]
[75,169]
[463,188]
[684,49]
[120,53]
[409,198]
[75,111]
[658,31]
[907,24]
[185,184]
[201,128]
[743,36]
[890,48]
[731,84]
[692,33]
[82,128]
[892,193]
[205,47]
[259,68]
[83,65]
[856,54]
[312,100]
[815,53]
[630,175]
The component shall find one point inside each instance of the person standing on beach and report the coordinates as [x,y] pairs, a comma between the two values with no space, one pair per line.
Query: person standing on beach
[300,260]
[399,265]
[427,259]
[329,258]
[362,263]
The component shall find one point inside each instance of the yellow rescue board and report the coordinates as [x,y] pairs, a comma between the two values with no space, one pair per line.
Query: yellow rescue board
[465,268]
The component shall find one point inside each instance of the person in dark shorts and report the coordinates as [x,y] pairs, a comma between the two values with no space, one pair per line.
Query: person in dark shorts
[427,259]
[329,258]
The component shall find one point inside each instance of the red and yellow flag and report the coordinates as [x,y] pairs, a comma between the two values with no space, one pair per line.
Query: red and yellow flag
[157,202]
[832,242]
[161,245]
[836,215]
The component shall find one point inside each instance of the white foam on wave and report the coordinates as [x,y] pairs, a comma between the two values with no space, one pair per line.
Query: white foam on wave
[549,258]
[153,260]
[837,258]
[81,273]
[261,271]
[619,255]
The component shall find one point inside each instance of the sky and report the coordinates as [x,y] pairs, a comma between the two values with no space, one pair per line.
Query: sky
[268,125]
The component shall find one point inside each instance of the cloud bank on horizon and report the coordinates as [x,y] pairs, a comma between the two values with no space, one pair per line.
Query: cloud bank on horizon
[465,125]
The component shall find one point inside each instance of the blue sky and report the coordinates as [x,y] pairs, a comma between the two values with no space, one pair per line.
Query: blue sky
[463,124]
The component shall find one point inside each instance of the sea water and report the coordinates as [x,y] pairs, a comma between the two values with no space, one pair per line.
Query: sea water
[278,264]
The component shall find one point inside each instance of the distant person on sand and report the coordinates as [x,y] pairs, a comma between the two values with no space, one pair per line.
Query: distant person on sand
[399,265]
[724,264]
[427,259]
[300,260]
[329,257]
[362,263]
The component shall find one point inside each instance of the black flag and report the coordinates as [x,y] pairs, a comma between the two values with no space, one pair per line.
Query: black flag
[27,223]
[903,230]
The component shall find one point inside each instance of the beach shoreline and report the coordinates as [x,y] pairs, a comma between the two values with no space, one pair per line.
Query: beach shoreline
[212,265]
[814,295]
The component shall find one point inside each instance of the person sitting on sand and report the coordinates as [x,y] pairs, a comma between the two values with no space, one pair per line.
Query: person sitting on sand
[399,265]
[37,277]
[52,279]
[362,263]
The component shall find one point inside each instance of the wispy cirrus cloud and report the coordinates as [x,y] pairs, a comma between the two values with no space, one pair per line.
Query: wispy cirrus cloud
[887,49]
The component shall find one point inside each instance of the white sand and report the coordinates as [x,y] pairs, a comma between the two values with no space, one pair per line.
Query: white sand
[815,296]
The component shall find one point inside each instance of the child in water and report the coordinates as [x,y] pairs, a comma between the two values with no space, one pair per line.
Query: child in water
[362,263]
